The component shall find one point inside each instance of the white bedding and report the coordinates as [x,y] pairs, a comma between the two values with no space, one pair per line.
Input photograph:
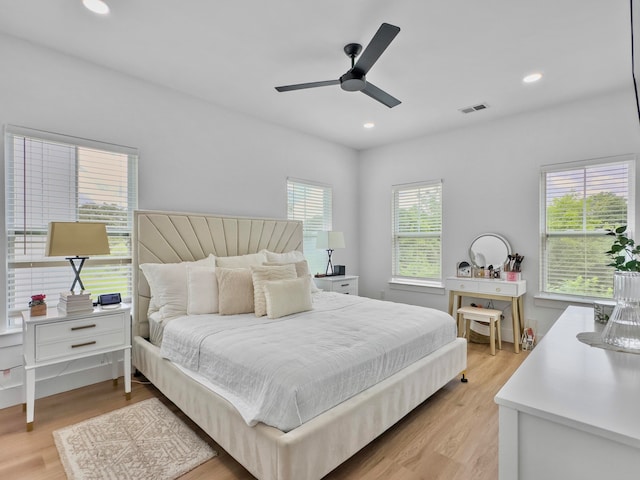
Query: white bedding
[286,371]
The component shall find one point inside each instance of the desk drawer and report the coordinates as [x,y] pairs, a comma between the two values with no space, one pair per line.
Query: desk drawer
[78,346]
[462,285]
[501,288]
[70,329]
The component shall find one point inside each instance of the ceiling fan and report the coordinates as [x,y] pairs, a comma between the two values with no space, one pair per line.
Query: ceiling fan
[356,78]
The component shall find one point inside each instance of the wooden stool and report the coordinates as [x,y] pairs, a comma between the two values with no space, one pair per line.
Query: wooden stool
[484,315]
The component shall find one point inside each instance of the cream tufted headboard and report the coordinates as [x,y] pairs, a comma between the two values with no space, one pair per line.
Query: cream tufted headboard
[168,237]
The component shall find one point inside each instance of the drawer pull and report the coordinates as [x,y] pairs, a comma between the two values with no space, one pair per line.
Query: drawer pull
[83,327]
[498,289]
[77,345]
[345,284]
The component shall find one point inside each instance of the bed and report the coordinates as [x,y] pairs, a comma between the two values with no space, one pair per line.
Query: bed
[317,446]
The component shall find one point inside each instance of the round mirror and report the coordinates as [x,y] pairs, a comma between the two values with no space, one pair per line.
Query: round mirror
[489,249]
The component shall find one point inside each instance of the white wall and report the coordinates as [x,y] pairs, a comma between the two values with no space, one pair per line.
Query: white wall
[194,156]
[490,184]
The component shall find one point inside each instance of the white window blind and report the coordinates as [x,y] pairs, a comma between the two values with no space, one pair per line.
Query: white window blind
[312,204]
[581,201]
[417,232]
[52,177]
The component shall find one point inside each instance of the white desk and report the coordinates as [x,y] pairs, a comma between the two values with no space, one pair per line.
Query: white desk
[494,289]
[571,410]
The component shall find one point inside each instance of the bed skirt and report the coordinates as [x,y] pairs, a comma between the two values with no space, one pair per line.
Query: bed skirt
[318,446]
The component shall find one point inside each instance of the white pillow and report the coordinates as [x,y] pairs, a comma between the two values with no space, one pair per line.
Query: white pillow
[261,275]
[285,297]
[242,261]
[289,257]
[302,270]
[202,290]
[168,284]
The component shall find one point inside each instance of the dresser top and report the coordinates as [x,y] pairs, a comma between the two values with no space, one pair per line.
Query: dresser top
[569,382]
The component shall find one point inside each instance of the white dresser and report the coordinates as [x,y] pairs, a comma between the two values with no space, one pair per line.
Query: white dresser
[56,338]
[571,411]
[339,283]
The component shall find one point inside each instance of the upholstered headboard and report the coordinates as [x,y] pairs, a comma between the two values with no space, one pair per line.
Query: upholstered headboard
[169,237]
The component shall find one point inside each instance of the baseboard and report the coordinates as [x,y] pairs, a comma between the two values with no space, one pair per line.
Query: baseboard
[66,381]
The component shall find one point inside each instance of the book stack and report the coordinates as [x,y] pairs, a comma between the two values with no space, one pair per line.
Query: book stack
[71,302]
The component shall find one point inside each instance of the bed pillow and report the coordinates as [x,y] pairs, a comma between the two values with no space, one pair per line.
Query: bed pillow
[261,275]
[302,269]
[285,297]
[168,284]
[202,290]
[241,261]
[288,257]
[235,291]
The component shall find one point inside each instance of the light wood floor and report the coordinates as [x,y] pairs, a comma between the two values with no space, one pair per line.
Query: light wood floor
[453,435]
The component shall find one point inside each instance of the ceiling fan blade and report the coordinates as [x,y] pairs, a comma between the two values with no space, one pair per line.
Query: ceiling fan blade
[380,95]
[300,86]
[379,43]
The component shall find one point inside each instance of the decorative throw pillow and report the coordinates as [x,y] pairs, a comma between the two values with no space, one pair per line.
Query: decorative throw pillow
[261,275]
[288,257]
[285,297]
[241,261]
[235,291]
[202,290]
[168,284]
[302,270]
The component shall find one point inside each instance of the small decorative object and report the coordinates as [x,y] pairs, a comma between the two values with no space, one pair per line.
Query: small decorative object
[623,328]
[463,269]
[37,305]
[512,267]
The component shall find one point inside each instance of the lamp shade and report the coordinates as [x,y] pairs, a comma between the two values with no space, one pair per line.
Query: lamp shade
[329,240]
[77,238]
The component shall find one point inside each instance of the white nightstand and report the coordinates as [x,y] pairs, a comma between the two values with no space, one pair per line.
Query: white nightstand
[339,283]
[56,338]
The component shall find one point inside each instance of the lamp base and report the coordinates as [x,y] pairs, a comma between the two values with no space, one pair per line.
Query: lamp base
[76,269]
[329,271]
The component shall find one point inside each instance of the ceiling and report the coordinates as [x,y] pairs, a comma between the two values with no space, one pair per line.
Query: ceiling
[448,55]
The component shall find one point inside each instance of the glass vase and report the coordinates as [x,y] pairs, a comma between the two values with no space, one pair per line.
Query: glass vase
[623,328]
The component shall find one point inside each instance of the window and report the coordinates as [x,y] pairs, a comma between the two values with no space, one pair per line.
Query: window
[580,201]
[312,204]
[52,177]
[417,233]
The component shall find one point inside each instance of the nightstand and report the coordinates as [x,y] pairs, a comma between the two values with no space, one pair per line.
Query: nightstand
[339,283]
[58,337]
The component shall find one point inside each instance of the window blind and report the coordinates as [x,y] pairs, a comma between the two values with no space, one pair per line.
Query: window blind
[417,232]
[312,203]
[51,177]
[581,201]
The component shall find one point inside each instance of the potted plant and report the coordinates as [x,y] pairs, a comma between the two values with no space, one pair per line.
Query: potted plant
[623,328]
[37,305]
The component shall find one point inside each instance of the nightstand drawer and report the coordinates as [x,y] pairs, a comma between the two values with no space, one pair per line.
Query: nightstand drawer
[79,345]
[349,287]
[70,329]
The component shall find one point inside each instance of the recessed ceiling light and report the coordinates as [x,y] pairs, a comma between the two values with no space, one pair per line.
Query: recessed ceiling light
[369,125]
[96,6]
[534,77]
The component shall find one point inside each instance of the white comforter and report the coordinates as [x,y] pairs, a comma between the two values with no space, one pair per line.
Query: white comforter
[284,372]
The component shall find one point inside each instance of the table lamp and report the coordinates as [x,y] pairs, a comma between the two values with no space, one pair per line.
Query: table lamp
[329,241]
[78,239]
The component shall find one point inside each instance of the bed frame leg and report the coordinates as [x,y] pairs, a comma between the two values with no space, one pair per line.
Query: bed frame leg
[464,379]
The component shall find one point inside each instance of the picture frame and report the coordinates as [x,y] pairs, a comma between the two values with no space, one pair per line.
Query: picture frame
[463,269]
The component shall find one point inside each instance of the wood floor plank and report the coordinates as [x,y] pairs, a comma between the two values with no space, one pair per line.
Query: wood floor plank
[453,435]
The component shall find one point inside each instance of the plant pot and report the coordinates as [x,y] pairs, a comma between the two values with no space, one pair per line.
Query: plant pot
[623,328]
[38,310]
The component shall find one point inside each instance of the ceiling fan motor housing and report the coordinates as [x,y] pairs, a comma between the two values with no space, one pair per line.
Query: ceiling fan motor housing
[353,81]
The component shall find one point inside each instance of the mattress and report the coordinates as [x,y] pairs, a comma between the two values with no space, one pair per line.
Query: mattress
[286,371]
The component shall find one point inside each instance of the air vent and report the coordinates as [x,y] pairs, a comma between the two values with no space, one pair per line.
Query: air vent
[474,108]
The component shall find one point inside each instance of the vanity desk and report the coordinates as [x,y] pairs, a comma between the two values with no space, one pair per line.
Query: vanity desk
[494,289]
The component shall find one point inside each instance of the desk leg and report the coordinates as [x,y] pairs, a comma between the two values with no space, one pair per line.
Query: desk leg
[516,324]
[521,313]
[30,387]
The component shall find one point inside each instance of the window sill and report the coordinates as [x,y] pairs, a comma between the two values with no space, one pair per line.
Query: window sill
[436,288]
[553,300]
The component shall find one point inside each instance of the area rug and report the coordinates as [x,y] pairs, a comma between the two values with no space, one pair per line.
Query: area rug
[142,441]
